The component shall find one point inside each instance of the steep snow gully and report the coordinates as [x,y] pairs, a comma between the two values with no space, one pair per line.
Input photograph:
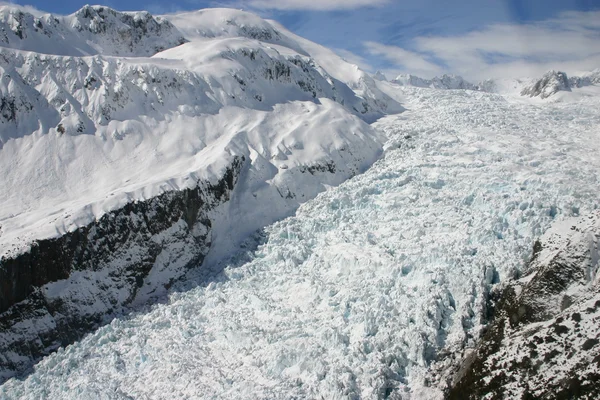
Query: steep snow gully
[372,285]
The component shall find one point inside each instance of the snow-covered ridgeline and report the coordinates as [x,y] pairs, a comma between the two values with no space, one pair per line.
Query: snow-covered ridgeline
[227,23]
[450,82]
[91,30]
[547,86]
[47,96]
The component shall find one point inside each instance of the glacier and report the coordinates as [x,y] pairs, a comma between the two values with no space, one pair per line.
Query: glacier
[138,147]
[373,289]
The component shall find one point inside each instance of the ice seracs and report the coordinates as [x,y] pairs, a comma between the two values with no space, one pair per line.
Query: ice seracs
[376,287]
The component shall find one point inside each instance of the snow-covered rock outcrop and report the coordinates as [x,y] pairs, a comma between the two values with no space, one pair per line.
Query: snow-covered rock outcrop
[380,76]
[91,30]
[588,79]
[120,174]
[551,83]
[544,341]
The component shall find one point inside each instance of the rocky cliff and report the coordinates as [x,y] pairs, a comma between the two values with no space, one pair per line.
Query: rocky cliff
[63,287]
[543,341]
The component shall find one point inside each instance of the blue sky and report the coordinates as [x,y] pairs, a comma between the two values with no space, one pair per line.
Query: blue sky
[475,38]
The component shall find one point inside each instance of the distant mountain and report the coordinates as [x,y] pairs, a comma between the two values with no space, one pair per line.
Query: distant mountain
[588,79]
[448,82]
[548,85]
[379,76]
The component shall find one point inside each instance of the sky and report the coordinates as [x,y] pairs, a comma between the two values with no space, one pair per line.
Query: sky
[477,39]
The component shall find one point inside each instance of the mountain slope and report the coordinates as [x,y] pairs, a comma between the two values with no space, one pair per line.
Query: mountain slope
[89,31]
[224,23]
[122,173]
[551,316]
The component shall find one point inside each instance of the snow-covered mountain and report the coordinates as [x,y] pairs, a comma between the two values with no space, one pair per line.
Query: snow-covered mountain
[545,87]
[449,82]
[380,76]
[587,79]
[91,30]
[551,83]
[120,173]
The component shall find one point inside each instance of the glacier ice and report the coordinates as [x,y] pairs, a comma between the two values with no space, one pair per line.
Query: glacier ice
[361,291]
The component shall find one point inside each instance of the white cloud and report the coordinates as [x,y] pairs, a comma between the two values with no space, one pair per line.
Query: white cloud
[570,42]
[26,8]
[316,5]
[355,59]
[406,60]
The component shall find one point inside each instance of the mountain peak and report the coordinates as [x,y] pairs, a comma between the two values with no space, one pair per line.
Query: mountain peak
[550,83]
[380,76]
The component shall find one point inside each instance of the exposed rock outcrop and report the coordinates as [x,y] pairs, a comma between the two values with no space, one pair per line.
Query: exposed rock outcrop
[64,287]
[544,340]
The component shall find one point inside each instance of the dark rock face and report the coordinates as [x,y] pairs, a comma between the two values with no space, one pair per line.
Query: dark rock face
[64,287]
[551,83]
[543,340]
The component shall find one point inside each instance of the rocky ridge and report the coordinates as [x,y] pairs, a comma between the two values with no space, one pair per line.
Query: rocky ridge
[543,341]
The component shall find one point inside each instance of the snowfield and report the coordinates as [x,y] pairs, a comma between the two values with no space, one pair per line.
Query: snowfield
[360,292]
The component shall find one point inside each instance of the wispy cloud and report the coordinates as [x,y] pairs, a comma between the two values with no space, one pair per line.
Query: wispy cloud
[355,59]
[405,59]
[318,5]
[569,42]
[27,8]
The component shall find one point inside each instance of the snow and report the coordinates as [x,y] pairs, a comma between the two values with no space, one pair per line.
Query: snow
[84,135]
[550,345]
[448,82]
[357,294]
[91,30]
